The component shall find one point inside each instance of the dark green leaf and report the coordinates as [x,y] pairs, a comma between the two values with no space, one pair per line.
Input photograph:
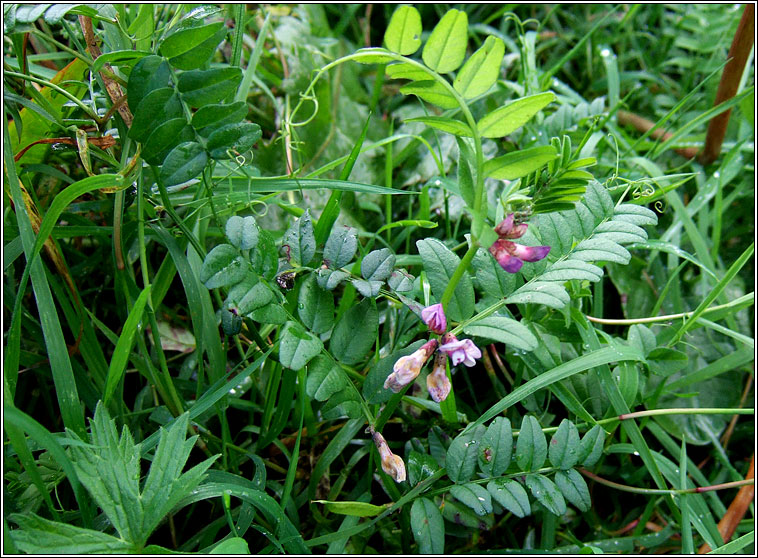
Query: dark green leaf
[150,73]
[564,446]
[420,467]
[330,279]
[200,54]
[531,447]
[265,259]
[504,330]
[235,545]
[403,34]
[315,306]
[665,361]
[368,289]
[223,266]
[496,448]
[574,489]
[271,313]
[299,240]
[465,172]
[458,514]
[211,117]
[233,138]
[446,46]
[242,232]
[158,106]
[474,496]
[591,447]
[340,247]
[203,87]
[378,264]
[324,378]
[297,346]
[355,332]
[504,120]
[440,264]
[427,526]
[546,493]
[400,281]
[462,455]
[37,535]
[164,138]
[187,39]
[183,163]
[439,442]
[511,495]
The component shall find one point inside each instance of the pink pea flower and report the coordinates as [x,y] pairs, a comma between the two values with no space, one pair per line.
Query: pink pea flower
[437,382]
[434,318]
[509,255]
[392,464]
[460,351]
[407,368]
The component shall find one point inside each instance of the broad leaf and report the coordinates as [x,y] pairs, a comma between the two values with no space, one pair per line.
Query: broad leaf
[164,138]
[324,378]
[299,241]
[591,447]
[496,448]
[355,333]
[420,466]
[373,388]
[440,264]
[474,496]
[157,106]
[297,346]
[449,125]
[574,489]
[223,266]
[242,232]
[446,46]
[427,526]
[340,247]
[184,40]
[462,455]
[431,92]
[150,73]
[355,509]
[183,163]
[531,447]
[37,535]
[368,289]
[233,139]
[481,70]
[202,87]
[377,265]
[404,70]
[519,163]
[200,54]
[564,446]
[546,493]
[504,330]
[403,34]
[211,117]
[504,120]
[511,495]
[315,306]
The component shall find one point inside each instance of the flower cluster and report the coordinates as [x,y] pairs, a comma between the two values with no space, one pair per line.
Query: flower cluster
[509,255]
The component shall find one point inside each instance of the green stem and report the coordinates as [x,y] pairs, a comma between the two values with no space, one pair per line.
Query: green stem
[653,491]
[458,273]
[58,89]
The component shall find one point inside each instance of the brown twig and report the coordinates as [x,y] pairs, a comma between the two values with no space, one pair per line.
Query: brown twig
[730,81]
[641,124]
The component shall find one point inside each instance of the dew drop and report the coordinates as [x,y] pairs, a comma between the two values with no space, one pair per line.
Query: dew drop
[605,52]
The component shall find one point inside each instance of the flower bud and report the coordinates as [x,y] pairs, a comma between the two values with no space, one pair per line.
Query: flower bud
[434,318]
[391,464]
[437,382]
[407,368]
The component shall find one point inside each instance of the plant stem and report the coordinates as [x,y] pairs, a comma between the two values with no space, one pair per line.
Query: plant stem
[458,273]
[636,490]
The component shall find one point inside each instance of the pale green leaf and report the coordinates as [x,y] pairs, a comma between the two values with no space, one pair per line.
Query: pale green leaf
[507,119]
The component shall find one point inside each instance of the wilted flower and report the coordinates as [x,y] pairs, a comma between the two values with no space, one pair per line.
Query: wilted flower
[509,255]
[460,351]
[408,367]
[437,382]
[391,464]
[434,318]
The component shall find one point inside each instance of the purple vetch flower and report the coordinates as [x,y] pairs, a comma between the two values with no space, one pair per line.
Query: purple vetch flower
[460,351]
[509,255]
[437,382]
[392,464]
[408,367]
[434,318]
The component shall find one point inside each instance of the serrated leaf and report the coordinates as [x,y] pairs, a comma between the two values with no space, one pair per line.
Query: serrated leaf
[591,446]
[546,493]
[355,332]
[420,467]
[377,265]
[504,330]
[157,106]
[427,526]
[300,240]
[511,495]
[200,54]
[340,247]
[223,266]
[324,378]
[519,163]
[368,289]
[531,446]
[432,92]
[164,138]
[481,70]
[403,34]
[204,87]
[297,346]
[242,232]
[446,46]
[505,120]
[315,306]
[227,140]
[474,496]
[461,456]
[574,489]
[183,163]
[496,448]
[440,264]
[150,73]
[564,446]
[37,535]
[404,70]
[449,125]
[211,117]
[373,388]
[185,40]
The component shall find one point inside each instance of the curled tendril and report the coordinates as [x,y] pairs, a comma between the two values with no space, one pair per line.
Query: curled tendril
[304,97]
[259,214]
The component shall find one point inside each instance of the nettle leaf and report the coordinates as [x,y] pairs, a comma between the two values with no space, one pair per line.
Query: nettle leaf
[574,489]
[519,163]
[183,163]
[505,120]
[355,332]
[445,48]
[233,138]
[504,330]
[324,378]
[440,263]
[546,493]
[373,388]
[150,73]
[164,138]
[420,466]
[377,265]
[184,40]
[531,447]
[315,306]
[496,448]
[481,70]
[427,526]
[223,266]
[564,446]
[461,457]
[432,92]
[367,289]
[404,70]
[300,240]
[403,34]
[200,54]
[211,117]
[511,495]
[591,447]
[297,346]
[203,87]
[474,496]
[400,281]
[37,535]
[340,247]
[242,232]
[449,125]
[157,106]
